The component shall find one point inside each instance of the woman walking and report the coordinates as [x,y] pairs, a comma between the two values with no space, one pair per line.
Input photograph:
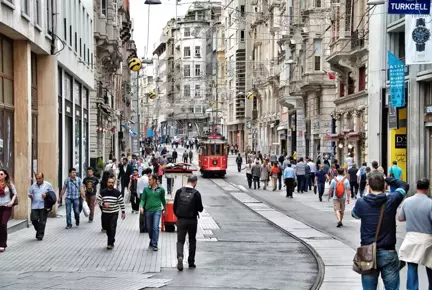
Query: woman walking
[265,173]
[249,172]
[7,200]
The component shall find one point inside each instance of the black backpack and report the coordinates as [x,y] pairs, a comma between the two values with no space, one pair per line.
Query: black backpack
[186,204]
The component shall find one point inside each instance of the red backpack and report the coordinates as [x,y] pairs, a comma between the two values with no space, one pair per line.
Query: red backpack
[340,187]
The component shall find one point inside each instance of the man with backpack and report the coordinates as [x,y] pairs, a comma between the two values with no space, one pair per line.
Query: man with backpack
[340,190]
[187,205]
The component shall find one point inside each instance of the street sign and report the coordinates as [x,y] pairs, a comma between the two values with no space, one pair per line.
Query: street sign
[409,7]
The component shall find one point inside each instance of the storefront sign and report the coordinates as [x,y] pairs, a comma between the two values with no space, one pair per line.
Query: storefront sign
[397,81]
[400,141]
[408,7]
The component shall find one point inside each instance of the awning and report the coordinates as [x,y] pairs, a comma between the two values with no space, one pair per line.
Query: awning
[280,128]
[354,136]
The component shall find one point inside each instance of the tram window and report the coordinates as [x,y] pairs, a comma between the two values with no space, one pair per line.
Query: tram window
[218,149]
[212,148]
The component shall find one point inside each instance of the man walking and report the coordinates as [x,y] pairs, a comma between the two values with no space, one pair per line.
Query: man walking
[313,169]
[185,156]
[141,185]
[152,200]
[124,175]
[340,190]
[190,156]
[300,171]
[289,178]
[38,192]
[90,183]
[352,172]
[187,206]
[239,161]
[74,189]
[361,178]
[417,246]
[256,174]
[320,180]
[396,172]
[174,156]
[111,201]
[368,210]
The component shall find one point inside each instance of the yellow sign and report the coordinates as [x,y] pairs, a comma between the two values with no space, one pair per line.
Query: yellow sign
[398,148]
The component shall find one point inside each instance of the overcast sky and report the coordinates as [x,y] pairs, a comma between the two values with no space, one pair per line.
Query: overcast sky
[159,16]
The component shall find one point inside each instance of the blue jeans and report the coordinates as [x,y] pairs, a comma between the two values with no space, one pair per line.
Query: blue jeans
[69,204]
[412,281]
[388,266]
[321,188]
[152,221]
[301,180]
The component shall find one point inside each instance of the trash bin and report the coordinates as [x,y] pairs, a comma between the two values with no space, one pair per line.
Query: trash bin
[169,220]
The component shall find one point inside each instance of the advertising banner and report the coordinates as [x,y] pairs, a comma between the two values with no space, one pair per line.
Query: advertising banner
[418,44]
[409,7]
[397,81]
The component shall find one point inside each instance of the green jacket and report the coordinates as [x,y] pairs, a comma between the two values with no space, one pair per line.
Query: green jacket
[151,199]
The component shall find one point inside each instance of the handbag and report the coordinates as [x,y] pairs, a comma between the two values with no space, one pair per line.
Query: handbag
[12,195]
[364,261]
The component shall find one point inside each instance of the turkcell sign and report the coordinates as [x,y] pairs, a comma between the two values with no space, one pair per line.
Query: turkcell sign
[409,7]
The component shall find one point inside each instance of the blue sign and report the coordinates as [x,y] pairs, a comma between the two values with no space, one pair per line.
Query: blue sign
[397,81]
[409,7]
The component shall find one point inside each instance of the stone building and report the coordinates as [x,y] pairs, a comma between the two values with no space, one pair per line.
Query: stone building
[110,102]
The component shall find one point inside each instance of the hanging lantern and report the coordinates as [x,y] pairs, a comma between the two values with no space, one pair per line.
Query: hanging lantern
[134,64]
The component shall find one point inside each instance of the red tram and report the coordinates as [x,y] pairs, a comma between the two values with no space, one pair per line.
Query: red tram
[213,155]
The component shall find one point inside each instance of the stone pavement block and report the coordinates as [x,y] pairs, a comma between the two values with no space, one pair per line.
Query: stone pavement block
[243,197]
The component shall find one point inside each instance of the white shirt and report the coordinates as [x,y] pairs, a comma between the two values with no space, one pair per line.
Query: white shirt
[349,161]
[141,184]
[312,166]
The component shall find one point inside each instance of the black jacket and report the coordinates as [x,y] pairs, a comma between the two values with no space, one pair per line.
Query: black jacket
[174,155]
[239,160]
[197,197]
[124,176]
[50,200]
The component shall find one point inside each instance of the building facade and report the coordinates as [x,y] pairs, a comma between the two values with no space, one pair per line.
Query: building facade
[46,76]
[110,102]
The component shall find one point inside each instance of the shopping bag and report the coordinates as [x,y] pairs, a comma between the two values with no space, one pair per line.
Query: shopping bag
[86,208]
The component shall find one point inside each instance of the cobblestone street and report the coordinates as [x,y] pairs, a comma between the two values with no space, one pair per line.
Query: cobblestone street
[232,243]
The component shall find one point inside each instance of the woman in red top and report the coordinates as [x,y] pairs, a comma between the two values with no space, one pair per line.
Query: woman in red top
[274,175]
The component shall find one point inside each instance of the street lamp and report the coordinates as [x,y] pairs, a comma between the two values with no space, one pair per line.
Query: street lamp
[152,2]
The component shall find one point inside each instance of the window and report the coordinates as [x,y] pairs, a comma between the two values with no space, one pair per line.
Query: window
[103,7]
[197,91]
[187,32]
[187,52]
[187,92]
[197,51]
[25,7]
[317,52]
[77,94]
[70,35]
[197,70]
[80,47]
[351,85]
[187,70]
[317,3]
[242,35]
[362,78]
[242,10]
[76,41]
[68,87]
[341,89]
[37,13]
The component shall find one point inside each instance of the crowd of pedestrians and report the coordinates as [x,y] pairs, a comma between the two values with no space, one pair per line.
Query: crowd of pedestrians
[379,199]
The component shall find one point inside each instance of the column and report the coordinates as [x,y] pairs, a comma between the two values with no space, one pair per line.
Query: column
[47,74]
[22,129]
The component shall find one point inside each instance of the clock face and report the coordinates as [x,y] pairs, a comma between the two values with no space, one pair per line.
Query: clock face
[420,35]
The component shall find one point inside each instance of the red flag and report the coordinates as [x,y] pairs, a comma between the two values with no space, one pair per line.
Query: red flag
[112,129]
[330,75]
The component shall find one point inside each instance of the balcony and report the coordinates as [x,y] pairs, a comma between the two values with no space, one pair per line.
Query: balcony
[339,49]
[312,81]
[359,43]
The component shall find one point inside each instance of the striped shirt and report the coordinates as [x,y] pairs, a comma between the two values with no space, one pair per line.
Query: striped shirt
[113,198]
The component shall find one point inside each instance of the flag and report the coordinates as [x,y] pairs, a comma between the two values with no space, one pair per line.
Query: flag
[330,75]
[112,129]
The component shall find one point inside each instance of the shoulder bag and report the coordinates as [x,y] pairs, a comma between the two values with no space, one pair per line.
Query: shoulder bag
[364,261]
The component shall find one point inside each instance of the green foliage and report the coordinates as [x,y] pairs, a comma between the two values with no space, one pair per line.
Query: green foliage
[100,166]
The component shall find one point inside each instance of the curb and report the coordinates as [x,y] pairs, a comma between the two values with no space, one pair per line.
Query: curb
[320,263]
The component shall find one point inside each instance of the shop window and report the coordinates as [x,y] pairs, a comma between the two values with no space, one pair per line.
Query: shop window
[362,78]
[6,105]
[77,94]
